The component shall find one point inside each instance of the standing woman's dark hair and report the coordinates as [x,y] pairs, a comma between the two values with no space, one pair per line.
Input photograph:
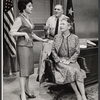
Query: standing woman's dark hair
[22,4]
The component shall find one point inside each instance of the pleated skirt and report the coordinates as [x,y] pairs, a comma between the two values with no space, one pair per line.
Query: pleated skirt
[26,60]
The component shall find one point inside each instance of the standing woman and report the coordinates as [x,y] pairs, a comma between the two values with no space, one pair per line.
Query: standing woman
[65,52]
[23,30]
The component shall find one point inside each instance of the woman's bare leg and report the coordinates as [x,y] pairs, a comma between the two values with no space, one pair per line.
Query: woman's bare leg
[27,86]
[82,89]
[76,91]
[22,85]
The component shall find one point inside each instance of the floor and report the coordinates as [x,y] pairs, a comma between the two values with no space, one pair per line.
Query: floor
[11,89]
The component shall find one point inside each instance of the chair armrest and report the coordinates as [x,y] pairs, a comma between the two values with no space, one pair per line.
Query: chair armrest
[82,63]
[48,60]
[49,63]
[49,70]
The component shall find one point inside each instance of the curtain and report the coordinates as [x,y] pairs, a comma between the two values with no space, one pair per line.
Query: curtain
[16,11]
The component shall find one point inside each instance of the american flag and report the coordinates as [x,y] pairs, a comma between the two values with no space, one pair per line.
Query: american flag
[8,19]
[70,14]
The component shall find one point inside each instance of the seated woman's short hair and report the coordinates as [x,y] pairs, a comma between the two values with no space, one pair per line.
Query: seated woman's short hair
[67,19]
[22,4]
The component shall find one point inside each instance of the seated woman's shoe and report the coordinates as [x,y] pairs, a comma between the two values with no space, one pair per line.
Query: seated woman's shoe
[20,97]
[86,95]
[30,96]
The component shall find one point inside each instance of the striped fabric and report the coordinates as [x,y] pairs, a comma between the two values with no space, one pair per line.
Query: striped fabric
[8,19]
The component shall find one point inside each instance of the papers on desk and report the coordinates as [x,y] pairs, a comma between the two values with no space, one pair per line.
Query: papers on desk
[84,43]
[83,46]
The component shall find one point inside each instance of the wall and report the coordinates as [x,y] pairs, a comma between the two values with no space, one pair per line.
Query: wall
[41,11]
[86,18]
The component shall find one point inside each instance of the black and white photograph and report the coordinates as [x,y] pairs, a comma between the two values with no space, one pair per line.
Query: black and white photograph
[49,49]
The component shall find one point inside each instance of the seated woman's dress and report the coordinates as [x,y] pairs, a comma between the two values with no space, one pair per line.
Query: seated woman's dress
[67,48]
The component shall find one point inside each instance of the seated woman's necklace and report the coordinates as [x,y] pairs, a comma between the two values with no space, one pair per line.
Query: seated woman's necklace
[66,35]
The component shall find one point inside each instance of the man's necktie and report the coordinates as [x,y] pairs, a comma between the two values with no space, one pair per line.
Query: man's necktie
[56,28]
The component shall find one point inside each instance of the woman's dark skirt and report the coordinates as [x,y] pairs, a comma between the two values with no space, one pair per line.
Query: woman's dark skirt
[26,60]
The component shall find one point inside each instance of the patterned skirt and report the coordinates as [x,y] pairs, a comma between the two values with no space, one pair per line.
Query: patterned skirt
[69,73]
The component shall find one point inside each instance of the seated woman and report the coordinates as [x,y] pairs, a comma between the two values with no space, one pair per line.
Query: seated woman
[65,52]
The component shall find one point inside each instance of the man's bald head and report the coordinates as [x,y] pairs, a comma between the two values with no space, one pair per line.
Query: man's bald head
[58,9]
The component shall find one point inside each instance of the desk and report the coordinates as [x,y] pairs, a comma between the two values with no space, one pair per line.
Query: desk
[91,56]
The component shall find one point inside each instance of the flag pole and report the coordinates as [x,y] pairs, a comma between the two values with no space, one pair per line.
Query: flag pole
[8,65]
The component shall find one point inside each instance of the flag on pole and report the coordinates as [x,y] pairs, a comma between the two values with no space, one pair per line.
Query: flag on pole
[70,14]
[8,19]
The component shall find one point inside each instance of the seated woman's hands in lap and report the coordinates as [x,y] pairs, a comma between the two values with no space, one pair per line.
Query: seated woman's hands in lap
[64,61]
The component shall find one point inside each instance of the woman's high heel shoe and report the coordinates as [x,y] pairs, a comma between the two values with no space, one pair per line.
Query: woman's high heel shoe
[86,95]
[20,97]
[30,96]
